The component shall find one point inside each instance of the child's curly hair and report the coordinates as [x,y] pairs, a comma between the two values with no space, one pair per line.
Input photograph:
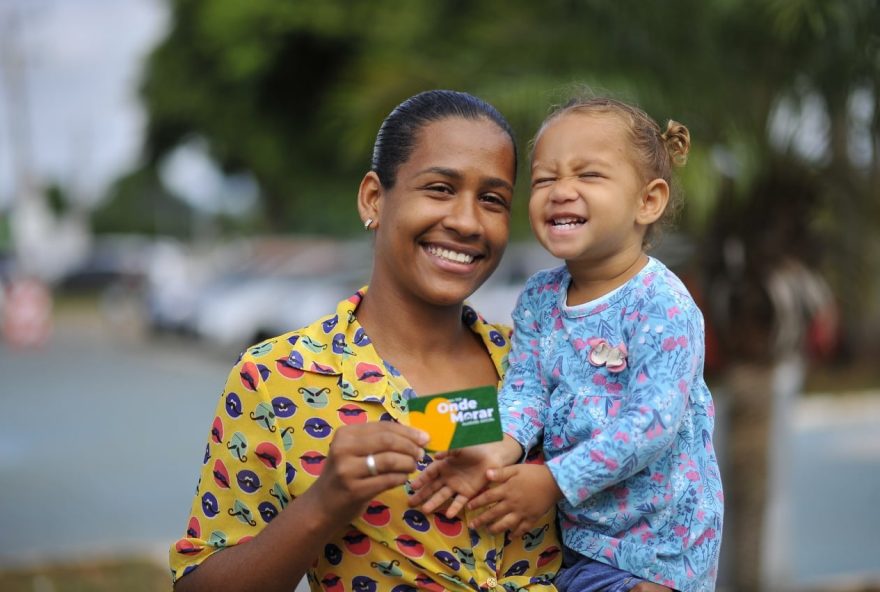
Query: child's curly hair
[656,151]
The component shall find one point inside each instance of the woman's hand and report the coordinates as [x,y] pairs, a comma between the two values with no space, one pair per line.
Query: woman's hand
[521,497]
[363,461]
[460,475]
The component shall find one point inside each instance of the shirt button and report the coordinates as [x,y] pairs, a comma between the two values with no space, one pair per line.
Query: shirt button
[491,583]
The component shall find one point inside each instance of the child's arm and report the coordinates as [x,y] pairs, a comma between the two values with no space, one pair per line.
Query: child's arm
[523,496]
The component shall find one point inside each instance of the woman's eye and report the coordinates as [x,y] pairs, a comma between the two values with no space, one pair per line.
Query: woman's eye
[496,200]
[439,188]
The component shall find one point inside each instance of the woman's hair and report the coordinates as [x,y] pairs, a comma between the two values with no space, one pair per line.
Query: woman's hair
[655,151]
[397,135]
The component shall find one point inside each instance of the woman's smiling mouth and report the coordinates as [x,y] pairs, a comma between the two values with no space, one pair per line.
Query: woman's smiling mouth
[450,255]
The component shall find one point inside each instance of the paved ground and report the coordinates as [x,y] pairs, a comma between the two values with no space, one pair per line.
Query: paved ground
[102,434]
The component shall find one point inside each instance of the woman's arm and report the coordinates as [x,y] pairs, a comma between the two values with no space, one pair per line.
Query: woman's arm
[279,555]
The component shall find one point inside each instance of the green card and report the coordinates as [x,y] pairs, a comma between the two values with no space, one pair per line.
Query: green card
[458,418]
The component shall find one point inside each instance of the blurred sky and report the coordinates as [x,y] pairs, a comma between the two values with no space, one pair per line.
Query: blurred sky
[82,61]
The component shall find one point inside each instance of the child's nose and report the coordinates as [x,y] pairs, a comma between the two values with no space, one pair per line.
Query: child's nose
[564,189]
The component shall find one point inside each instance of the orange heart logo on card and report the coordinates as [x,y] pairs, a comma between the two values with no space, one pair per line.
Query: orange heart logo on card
[436,420]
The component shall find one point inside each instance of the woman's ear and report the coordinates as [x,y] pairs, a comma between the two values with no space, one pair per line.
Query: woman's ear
[653,202]
[369,200]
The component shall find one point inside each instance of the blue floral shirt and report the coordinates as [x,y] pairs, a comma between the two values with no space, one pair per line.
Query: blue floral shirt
[615,390]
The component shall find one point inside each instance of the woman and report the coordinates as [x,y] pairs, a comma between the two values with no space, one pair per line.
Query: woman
[309,456]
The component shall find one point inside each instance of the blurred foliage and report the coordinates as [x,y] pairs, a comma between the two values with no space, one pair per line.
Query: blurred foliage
[782,98]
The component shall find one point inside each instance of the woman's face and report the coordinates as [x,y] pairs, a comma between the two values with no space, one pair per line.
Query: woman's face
[442,228]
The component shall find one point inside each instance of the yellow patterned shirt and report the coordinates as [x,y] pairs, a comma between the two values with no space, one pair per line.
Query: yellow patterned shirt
[267,445]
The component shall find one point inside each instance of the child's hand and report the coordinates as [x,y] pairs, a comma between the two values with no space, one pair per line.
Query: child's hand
[460,475]
[523,494]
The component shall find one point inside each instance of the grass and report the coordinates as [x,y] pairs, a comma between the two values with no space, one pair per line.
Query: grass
[108,576]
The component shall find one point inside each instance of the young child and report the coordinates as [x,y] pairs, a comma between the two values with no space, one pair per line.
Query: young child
[606,372]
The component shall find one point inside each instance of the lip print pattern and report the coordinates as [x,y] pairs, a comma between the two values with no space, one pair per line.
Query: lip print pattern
[369,373]
[233,405]
[340,347]
[330,324]
[548,555]
[448,559]
[317,428]
[350,414]
[416,520]
[267,511]
[377,514]
[312,462]
[332,583]
[250,376]
[221,474]
[363,584]
[268,454]
[356,542]
[248,481]
[217,431]
[332,554]
[194,529]
[289,368]
[289,473]
[427,583]
[283,407]
[518,568]
[360,338]
[210,505]
[409,546]
[450,527]
[187,547]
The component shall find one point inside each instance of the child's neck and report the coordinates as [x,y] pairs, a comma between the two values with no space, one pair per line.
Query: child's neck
[592,280]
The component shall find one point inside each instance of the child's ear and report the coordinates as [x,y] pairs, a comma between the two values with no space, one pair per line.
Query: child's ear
[653,202]
[370,198]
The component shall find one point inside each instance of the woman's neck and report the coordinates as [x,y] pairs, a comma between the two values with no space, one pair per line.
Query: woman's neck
[592,280]
[396,324]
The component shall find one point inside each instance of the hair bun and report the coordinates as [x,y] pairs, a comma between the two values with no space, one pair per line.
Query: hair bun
[678,142]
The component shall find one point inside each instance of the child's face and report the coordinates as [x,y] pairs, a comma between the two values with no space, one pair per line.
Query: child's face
[586,189]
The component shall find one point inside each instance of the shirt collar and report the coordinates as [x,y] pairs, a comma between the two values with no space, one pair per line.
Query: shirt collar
[337,345]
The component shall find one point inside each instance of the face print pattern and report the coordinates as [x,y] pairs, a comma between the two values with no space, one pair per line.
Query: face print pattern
[614,390]
[268,442]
